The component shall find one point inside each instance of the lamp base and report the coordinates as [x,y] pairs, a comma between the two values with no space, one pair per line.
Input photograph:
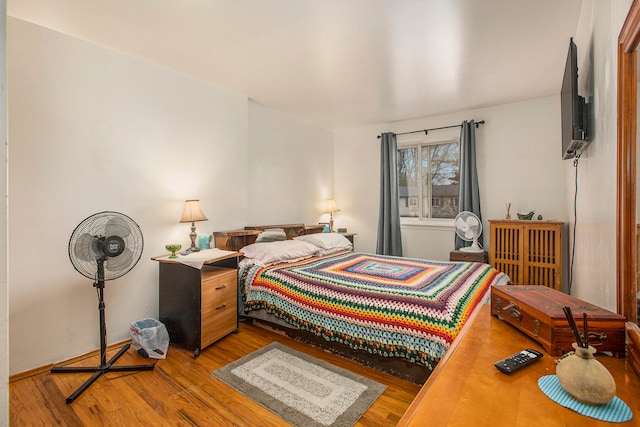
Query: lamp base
[193,235]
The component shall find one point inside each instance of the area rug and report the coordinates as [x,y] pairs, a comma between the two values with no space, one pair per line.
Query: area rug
[299,388]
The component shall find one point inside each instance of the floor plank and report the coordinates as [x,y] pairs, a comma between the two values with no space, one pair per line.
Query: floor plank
[180,391]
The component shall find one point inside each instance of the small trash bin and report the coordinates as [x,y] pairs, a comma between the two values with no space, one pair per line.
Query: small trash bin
[150,338]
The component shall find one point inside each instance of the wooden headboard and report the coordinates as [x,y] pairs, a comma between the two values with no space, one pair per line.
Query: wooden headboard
[236,239]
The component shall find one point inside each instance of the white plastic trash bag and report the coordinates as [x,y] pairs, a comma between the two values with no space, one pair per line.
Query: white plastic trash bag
[150,338]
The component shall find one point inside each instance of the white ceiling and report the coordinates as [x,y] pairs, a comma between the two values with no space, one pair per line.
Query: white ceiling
[338,63]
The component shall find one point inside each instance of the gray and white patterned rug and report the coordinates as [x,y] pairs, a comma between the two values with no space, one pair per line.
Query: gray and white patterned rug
[299,388]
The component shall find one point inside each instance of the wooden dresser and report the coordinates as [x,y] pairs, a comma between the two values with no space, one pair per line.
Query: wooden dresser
[529,252]
[466,389]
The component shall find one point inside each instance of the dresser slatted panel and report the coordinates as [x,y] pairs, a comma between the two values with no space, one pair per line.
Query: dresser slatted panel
[529,252]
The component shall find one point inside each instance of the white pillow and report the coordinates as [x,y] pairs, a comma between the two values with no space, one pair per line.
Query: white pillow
[281,251]
[271,235]
[325,252]
[328,242]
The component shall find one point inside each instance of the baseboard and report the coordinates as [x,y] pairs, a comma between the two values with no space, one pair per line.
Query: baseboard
[46,368]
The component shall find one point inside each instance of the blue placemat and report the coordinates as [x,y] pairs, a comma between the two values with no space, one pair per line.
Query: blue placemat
[615,411]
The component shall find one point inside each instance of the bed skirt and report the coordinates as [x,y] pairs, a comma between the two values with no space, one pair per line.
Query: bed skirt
[398,367]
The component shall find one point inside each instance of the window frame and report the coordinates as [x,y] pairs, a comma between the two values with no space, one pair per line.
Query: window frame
[418,143]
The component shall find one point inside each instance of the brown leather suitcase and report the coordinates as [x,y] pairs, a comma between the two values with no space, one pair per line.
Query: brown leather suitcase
[537,311]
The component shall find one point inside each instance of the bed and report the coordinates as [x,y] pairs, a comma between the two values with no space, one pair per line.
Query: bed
[396,314]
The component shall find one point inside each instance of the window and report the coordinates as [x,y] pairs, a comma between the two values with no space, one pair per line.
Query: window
[428,179]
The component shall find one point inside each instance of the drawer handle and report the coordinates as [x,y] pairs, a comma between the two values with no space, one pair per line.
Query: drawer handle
[221,287]
[222,306]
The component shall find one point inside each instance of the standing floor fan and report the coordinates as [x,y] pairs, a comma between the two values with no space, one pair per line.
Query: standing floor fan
[104,246]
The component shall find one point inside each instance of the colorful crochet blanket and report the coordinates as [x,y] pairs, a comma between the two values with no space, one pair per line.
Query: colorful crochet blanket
[389,306]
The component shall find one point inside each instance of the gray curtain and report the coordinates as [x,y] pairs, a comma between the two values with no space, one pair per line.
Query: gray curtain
[389,239]
[469,193]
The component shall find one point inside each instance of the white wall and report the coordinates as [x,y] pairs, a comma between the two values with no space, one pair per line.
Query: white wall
[4,289]
[595,249]
[93,130]
[290,169]
[357,183]
[518,161]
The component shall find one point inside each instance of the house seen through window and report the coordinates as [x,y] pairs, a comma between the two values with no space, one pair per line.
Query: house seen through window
[428,179]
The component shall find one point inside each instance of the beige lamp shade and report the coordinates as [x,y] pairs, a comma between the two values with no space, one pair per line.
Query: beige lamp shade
[192,212]
[331,206]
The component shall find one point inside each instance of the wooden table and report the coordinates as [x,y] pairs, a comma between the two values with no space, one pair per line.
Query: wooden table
[466,389]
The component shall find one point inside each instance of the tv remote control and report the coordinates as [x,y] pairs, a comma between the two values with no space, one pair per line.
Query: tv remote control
[518,360]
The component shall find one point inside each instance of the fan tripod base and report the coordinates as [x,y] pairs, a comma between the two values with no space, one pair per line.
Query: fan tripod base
[99,370]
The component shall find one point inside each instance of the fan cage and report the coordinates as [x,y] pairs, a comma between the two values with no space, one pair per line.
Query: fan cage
[96,225]
[463,216]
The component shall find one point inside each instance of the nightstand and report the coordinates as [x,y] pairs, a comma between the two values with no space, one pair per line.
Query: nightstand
[199,306]
[349,237]
[466,256]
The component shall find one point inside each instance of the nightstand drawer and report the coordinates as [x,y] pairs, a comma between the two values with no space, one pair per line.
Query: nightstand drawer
[219,303]
[218,283]
[219,319]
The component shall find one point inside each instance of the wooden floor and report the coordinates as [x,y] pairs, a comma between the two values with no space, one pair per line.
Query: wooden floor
[180,391]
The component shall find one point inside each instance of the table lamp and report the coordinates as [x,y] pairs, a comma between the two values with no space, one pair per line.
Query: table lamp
[331,208]
[193,213]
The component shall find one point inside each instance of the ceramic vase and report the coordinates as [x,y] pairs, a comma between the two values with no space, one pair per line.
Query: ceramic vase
[584,378]
[204,241]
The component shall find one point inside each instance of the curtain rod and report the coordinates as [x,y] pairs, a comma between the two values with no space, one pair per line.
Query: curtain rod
[426,131]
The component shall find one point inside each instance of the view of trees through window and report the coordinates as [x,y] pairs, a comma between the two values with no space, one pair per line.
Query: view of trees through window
[429,179]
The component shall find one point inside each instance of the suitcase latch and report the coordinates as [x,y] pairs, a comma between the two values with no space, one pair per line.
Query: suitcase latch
[536,328]
[596,338]
[514,310]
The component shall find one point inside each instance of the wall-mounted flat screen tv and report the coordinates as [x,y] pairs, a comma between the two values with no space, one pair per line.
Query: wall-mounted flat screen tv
[574,108]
